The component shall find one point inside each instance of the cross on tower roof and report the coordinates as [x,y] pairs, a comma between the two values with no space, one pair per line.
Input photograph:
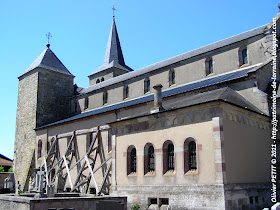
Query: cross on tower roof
[113,8]
[48,35]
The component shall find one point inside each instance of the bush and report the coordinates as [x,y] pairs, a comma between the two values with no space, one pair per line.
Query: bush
[10,169]
[135,207]
[2,169]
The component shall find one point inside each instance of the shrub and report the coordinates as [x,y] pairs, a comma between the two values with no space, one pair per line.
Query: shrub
[2,169]
[135,207]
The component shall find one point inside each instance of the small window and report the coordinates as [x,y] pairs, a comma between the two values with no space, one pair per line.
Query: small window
[53,142]
[251,200]
[92,190]
[39,152]
[190,158]
[172,77]
[125,92]
[147,85]
[89,140]
[256,199]
[105,98]
[102,79]
[209,66]
[244,56]
[163,201]
[170,156]
[48,146]
[149,158]
[76,106]
[86,103]
[97,81]
[152,201]
[131,160]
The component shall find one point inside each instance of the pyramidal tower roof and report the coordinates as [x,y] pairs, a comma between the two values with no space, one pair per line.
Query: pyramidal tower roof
[113,55]
[48,60]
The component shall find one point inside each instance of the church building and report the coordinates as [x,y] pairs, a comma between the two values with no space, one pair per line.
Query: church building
[189,132]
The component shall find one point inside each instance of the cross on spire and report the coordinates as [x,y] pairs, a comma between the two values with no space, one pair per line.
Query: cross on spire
[113,8]
[48,35]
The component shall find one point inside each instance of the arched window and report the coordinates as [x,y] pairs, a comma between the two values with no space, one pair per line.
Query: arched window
[105,98]
[244,56]
[131,160]
[190,159]
[48,146]
[168,157]
[102,79]
[192,156]
[172,77]
[86,103]
[149,158]
[209,68]
[147,85]
[97,81]
[125,92]
[39,152]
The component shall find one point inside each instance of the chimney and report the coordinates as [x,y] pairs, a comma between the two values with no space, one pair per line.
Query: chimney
[157,99]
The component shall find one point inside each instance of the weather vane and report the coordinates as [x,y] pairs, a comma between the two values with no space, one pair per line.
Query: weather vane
[48,35]
[114,9]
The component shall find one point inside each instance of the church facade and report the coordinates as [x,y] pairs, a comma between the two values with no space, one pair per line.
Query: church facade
[189,132]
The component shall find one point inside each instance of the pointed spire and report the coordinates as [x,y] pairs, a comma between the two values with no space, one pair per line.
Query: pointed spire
[113,54]
[114,50]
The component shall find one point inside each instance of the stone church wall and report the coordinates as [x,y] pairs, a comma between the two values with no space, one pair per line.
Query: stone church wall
[25,124]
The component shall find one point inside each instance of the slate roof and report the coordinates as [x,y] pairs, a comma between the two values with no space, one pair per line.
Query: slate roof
[178,58]
[189,100]
[48,60]
[113,55]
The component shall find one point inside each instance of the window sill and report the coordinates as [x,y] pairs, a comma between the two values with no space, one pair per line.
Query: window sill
[170,173]
[150,174]
[191,172]
[171,86]
[245,65]
[132,174]
[210,75]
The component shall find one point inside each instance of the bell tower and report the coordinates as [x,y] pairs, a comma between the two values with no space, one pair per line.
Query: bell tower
[44,93]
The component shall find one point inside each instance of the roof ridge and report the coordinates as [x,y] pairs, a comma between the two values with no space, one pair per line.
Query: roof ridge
[184,56]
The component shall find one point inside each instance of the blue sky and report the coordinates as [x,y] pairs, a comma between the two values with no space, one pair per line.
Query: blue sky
[149,30]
